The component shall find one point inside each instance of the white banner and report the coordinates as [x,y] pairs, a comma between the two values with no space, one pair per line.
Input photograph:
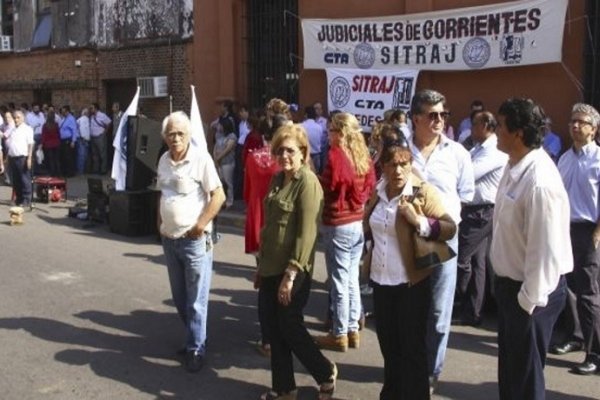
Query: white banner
[498,35]
[368,94]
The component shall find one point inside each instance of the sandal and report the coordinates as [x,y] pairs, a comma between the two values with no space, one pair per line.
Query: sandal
[273,395]
[263,349]
[327,388]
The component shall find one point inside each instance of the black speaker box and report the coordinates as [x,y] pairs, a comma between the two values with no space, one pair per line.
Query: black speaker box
[97,204]
[144,142]
[133,213]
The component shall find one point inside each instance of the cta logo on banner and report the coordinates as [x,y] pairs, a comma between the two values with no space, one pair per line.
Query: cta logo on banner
[498,35]
[368,94]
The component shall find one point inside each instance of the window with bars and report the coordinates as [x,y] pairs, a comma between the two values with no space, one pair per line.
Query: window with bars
[272,49]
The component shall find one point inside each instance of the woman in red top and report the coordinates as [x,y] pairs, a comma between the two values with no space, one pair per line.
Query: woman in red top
[348,180]
[51,144]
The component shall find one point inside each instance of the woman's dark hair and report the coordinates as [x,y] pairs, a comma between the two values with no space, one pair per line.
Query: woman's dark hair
[526,115]
[227,124]
[393,142]
[392,135]
[51,118]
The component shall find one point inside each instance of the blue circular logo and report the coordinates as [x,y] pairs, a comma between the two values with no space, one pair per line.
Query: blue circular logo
[339,92]
[364,56]
[476,52]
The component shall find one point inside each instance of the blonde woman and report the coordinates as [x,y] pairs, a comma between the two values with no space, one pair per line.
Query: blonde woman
[285,266]
[348,180]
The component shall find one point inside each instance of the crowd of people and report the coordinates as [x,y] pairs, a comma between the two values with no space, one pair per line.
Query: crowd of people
[491,193]
[40,140]
[494,201]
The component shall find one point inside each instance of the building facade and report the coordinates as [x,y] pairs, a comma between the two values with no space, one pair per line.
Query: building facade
[78,51]
[231,32]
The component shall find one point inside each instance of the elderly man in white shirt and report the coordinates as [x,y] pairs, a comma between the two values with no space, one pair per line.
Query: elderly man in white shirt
[476,226]
[579,167]
[19,142]
[530,252]
[446,165]
[99,123]
[191,197]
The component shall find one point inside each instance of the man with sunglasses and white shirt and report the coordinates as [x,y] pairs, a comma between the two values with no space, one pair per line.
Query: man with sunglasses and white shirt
[446,165]
[579,168]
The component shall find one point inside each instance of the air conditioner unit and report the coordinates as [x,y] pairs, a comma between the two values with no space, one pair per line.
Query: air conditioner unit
[153,86]
[6,43]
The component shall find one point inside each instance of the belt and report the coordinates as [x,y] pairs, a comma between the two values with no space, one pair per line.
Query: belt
[478,206]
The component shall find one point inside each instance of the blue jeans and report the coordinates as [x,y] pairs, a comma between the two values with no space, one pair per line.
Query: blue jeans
[83,148]
[443,285]
[189,263]
[343,248]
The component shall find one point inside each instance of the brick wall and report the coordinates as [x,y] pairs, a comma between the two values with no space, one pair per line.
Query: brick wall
[56,71]
[173,61]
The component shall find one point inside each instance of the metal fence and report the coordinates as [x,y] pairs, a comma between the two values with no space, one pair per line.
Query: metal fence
[272,46]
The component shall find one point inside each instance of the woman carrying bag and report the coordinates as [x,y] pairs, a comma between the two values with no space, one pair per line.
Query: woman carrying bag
[403,213]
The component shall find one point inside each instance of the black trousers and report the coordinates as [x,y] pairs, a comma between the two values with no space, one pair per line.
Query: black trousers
[67,158]
[289,336]
[583,282]
[401,326]
[21,179]
[523,340]
[474,233]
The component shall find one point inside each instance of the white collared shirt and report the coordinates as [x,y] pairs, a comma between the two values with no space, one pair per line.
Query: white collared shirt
[18,141]
[185,190]
[531,239]
[580,173]
[244,130]
[387,267]
[488,165]
[98,123]
[450,170]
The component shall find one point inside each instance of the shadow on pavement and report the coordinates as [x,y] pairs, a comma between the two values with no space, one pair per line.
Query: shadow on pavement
[489,391]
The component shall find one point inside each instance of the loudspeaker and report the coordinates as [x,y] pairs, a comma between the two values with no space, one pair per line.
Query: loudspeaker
[133,213]
[144,142]
[96,206]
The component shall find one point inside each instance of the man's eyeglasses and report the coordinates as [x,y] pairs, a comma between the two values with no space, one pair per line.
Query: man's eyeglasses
[434,115]
[285,150]
[580,122]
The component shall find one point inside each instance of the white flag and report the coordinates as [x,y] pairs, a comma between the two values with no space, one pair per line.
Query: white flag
[198,137]
[119,166]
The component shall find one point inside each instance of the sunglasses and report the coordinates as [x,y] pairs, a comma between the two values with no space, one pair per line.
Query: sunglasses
[285,150]
[434,115]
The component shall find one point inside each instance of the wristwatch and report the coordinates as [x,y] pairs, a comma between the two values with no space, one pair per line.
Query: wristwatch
[291,273]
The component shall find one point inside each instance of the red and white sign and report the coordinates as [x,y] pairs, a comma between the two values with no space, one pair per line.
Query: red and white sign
[368,94]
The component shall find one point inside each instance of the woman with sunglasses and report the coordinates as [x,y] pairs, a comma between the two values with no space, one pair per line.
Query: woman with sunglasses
[402,204]
[285,266]
[348,180]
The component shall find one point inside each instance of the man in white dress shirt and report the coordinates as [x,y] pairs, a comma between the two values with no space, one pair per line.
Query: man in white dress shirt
[580,170]
[19,142]
[446,165]
[476,226]
[530,252]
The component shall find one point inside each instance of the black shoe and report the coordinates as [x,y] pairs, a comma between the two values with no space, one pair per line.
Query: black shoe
[587,367]
[567,347]
[194,361]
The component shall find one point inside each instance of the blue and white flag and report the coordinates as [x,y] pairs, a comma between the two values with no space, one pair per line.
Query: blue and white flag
[198,136]
[119,166]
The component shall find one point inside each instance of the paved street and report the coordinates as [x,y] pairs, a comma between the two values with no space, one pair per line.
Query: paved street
[86,314]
